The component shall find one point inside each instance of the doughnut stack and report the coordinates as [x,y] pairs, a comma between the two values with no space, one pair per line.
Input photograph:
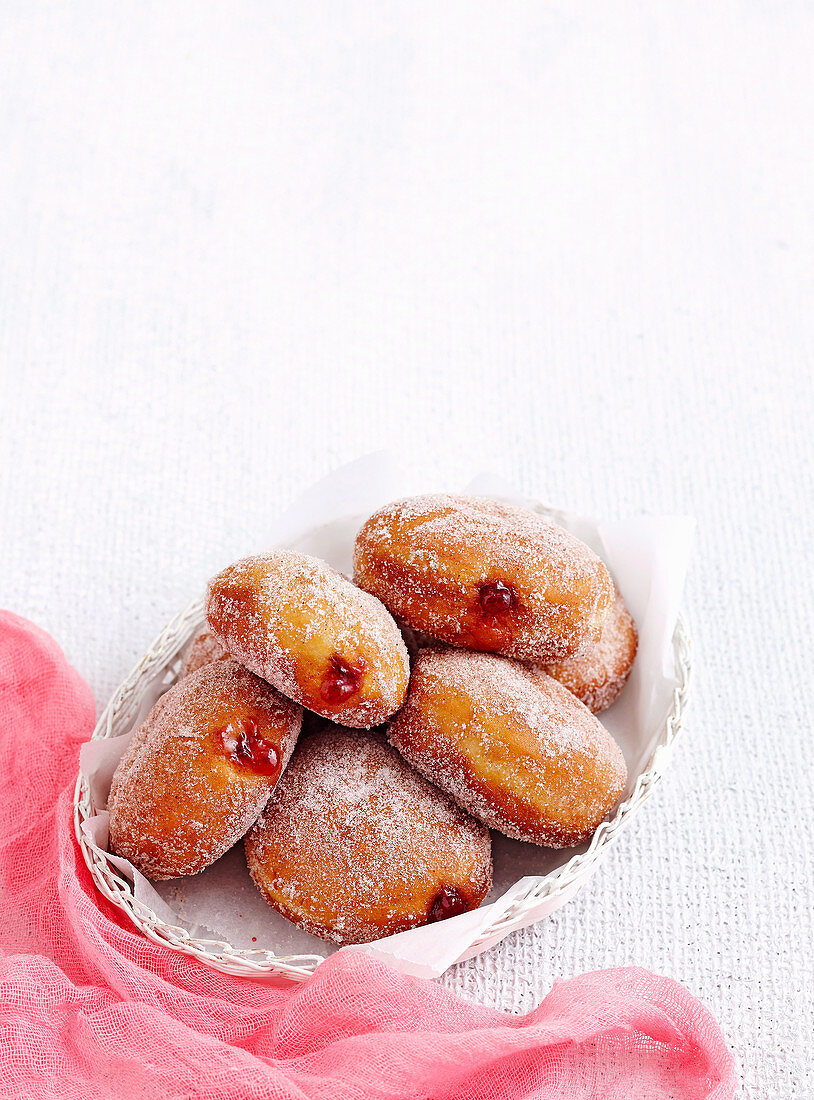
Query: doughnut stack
[363,737]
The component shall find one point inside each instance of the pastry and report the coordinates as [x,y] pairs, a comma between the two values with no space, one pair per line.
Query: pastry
[483,575]
[599,672]
[355,845]
[312,634]
[510,744]
[203,648]
[199,770]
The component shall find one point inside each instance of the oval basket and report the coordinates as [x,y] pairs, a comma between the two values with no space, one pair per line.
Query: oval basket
[162,660]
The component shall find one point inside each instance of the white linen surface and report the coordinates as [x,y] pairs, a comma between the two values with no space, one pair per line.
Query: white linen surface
[571,243]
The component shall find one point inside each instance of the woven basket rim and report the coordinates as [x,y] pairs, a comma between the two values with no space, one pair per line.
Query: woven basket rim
[164,656]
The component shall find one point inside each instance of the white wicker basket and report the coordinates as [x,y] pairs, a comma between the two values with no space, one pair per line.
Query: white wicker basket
[162,659]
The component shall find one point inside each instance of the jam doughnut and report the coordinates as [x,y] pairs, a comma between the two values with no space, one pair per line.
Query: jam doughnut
[509,744]
[203,648]
[312,634]
[484,575]
[599,672]
[354,845]
[199,770]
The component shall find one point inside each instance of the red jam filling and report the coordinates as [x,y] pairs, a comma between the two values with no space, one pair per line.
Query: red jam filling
[496,597]
[246,747]
[448,903]
[342,679]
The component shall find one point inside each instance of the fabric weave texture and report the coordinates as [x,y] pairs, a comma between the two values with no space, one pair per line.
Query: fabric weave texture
[89,1008]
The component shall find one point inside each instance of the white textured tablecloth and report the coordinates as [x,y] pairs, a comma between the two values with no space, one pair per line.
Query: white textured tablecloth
[572,243]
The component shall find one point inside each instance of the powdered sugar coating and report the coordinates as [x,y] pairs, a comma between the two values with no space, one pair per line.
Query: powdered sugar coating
[292,619]
[509,744]
[203,648]
[601,669]
[437,560]
[355,845]
[177,803]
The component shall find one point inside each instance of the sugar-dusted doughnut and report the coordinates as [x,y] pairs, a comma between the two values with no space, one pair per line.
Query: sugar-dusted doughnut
[483,575]
[510,744]
[199,770]
[203,648]
[354,845]
[601,669]
[316,637]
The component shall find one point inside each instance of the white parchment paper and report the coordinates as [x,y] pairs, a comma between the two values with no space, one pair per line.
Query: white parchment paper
[648,558]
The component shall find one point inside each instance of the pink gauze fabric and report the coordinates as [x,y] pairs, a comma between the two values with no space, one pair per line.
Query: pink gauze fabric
[90,1008]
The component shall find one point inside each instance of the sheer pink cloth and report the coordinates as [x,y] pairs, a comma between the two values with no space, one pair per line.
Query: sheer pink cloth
[89,1008]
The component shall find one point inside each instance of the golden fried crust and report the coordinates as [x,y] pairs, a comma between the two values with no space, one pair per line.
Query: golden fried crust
[203,648]
[355,845]
[188,786]
[483,575]
[601,669]
[315,636]
[510,745]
